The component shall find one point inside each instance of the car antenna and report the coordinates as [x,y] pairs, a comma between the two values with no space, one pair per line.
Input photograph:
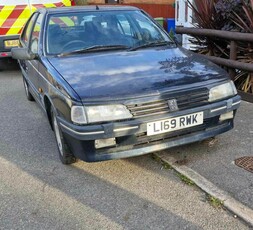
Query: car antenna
[97,8]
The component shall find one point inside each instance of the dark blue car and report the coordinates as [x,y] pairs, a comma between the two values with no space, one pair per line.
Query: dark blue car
[113,84]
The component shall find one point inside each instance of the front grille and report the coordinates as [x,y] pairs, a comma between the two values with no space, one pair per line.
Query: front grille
[185,100]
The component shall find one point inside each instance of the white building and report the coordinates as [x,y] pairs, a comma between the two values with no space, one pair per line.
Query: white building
[184,17]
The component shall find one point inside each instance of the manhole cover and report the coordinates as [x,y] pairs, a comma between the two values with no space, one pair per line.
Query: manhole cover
[245,162]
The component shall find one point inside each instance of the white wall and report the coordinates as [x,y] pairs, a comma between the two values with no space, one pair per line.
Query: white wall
[184,18]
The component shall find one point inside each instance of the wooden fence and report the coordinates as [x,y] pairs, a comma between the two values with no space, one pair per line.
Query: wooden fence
[231,63]
[157,10]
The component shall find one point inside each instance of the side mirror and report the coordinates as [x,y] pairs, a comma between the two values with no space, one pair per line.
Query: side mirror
[22,54]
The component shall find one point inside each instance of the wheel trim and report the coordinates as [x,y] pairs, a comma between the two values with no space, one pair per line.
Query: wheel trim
[26,88]
[58,136]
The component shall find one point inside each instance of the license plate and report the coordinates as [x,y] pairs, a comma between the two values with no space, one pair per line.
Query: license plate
[11,43]
[175,123]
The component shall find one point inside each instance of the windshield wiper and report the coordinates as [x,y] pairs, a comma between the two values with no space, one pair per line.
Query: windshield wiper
[152,44]
[95,48]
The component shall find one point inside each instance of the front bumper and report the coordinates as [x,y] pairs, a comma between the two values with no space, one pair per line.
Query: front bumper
[131,135]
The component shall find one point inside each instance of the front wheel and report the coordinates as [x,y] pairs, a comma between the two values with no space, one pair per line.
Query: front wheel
[29,96]
[65,154]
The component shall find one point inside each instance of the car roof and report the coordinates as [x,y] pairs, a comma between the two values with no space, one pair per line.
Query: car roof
[91,8]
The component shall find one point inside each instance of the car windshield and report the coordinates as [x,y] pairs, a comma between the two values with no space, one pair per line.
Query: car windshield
[70,32]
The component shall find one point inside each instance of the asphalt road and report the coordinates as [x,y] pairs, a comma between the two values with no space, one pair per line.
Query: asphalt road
[38,192]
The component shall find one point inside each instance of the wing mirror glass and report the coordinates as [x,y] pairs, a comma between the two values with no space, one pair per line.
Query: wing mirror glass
[22,54]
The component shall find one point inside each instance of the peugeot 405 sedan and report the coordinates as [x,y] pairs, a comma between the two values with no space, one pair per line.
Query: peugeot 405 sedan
[113,84]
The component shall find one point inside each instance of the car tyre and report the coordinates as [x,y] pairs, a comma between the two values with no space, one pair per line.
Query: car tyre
[65,154]
[29,96]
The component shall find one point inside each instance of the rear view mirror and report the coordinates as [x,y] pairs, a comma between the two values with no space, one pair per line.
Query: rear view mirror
[22,54]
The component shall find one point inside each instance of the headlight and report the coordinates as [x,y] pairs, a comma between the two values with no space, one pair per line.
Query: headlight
[101,113]
[222,91]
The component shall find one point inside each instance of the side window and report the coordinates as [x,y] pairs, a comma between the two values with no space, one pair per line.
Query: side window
[125,25]
[27,31]
[148,31]
[35,34]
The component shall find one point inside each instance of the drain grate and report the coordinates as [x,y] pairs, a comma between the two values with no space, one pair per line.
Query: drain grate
[245,163]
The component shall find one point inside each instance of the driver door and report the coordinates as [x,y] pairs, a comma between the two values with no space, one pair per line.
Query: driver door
[30,39]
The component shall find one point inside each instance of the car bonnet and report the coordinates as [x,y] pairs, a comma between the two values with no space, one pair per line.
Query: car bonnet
[122,74]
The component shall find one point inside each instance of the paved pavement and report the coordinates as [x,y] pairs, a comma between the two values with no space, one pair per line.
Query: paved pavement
[214,159]
[38,192]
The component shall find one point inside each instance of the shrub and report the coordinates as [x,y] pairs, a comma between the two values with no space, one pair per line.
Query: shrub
[230,15]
